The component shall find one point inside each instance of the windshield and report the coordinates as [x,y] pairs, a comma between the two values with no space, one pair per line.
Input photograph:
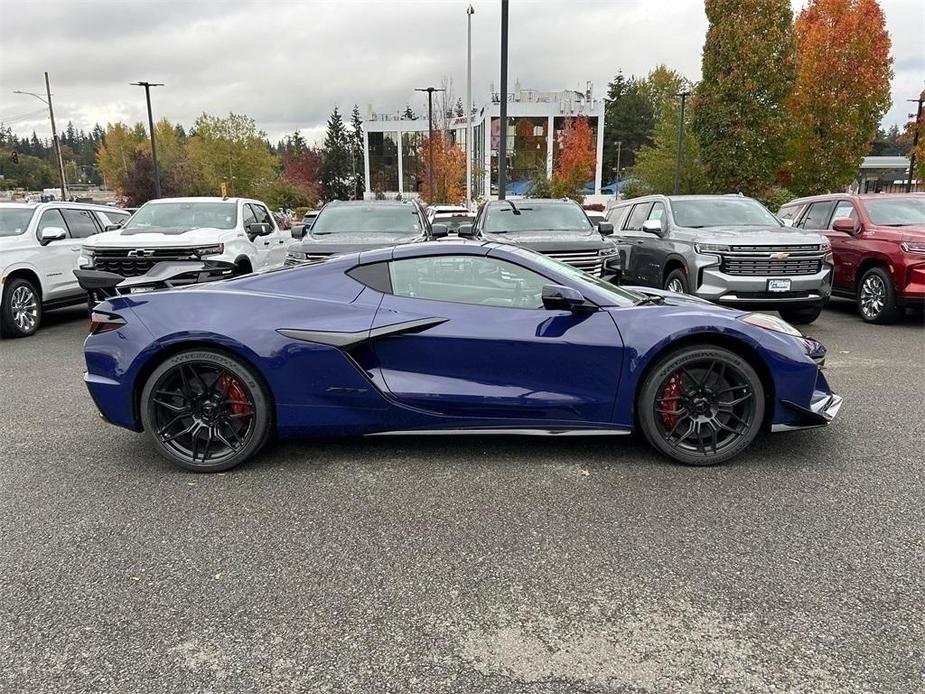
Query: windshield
[536,217]
[898,212]
[620,295]
[453,222]
[191,215]
[371,219]
[722,212]
[14,220]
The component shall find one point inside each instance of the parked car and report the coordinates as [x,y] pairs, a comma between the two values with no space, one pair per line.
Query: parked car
[724,248]
[557,228]
[879,246]
[307,220]
[38,245]
[360,225]
[231,235]
[453,337]
[455,218]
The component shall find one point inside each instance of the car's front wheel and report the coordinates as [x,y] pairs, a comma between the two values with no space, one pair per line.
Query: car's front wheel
[205,410]
[20,308]
[701,405]
[801,316]
[877,298]
[676,281]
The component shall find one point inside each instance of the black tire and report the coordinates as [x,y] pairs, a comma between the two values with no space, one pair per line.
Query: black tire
[676,281]
[877,297]
[685,393]
[800,316]
[203,390]
[20,308]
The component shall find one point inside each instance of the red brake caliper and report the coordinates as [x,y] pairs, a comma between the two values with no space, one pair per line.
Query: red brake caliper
[672,389]
[236,393]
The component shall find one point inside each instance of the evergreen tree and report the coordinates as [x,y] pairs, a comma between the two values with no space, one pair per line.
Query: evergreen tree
[460,110]
[409,113]
[741,116]
[628,119]
[336,167]
[356,139]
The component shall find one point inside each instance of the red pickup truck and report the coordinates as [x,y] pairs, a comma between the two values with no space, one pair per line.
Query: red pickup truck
[879,246]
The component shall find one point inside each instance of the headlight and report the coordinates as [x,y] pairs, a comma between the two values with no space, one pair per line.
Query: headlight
[609,250]
[826,246]
[914,246]
[773,323]
[710,248]
[297,255]
[216,249]
[87,252]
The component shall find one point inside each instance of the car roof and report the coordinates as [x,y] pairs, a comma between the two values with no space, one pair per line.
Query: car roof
[378,203]
[844,196]
[61,203]
[526,202]
[204,198]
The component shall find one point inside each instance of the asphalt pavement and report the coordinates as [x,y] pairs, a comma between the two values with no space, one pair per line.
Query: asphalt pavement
[466,564]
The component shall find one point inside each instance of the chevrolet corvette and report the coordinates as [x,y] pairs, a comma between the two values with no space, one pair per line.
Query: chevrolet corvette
[458,337]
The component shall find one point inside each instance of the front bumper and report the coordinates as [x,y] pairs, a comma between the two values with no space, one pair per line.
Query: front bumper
[743,291]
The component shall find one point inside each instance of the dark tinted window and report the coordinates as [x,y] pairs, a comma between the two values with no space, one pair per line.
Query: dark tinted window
[263,216]
[638,216]
[51,218]
[249,216]
[817,217]
[384,219]
[81,223]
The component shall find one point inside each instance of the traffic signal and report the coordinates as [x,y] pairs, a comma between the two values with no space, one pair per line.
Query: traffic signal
[14,157]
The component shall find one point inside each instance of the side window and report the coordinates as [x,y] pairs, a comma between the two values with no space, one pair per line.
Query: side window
[249,216]
[789,212]
[616,215]
[263,216]
[467,279]
[658,211]
[81,223]
[844,210]
[51,218]
[112,217]
[818,215]
[638,216]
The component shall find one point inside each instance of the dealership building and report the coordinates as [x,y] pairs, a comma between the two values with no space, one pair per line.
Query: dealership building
[393,145]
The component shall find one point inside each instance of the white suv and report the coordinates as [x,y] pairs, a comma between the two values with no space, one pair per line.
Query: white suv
[228,230]
[39,243]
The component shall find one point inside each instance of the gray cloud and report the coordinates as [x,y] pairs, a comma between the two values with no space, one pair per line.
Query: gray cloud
[288,63]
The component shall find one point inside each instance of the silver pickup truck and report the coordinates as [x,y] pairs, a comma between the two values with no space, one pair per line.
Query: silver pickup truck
[724,248]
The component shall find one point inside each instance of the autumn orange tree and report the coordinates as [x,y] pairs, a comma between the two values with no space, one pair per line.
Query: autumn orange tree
[575,162]
[841,92]
[449,173]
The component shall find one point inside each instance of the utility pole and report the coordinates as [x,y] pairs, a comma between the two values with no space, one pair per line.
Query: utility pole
[502,145]
[54,133]
[616,188]
[157,173]
[915,141]
[430,134]
[677,165]
[469,12]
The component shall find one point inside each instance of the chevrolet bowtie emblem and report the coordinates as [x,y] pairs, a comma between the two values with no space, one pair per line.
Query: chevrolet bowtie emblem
[141,253]
[780,256]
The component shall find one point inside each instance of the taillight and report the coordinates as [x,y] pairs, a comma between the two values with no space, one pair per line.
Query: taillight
[104,322]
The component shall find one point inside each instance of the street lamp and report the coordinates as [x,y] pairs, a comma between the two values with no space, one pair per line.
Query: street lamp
[469,12]
[430,133]
[677,165]
[157,173]
[616,187]
[502,145]
[54,133]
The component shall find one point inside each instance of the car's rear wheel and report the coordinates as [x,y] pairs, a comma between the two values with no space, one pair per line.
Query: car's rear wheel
[701,405]
[801,316]
[676,281]
[205,410]
[877,298]
[20,308]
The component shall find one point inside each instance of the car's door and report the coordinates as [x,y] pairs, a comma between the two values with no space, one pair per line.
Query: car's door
[60,257]
[260,243]
[652,252]
[634,238]
[487,349]
[275,242]
[845,247]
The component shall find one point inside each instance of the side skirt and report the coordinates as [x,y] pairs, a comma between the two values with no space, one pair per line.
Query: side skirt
[505,432]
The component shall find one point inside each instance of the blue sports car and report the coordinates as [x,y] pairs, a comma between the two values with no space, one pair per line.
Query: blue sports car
[450,338]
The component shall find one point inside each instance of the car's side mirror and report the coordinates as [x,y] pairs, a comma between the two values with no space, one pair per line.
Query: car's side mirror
[652,226]
[466,231]
[112,227]
[605,228]
[559,297]
[259,229]
[439,231]
[844,225]
[50,234]
[298,233]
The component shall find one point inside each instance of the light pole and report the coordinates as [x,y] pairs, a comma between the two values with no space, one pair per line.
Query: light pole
[677,165]
[915,141]
[616,187]
[502,145]
[157,173]
[430,134]
[54,133]
[469,12]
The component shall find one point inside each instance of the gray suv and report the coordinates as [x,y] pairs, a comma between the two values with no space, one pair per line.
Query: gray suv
[724,248]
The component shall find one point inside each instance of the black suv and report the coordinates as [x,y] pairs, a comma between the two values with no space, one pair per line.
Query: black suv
[557,228]
[361,225]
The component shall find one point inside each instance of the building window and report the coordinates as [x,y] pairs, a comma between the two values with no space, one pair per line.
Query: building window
[412,169]
[383,162]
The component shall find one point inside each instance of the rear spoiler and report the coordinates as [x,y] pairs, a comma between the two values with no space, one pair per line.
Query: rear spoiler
[164,275]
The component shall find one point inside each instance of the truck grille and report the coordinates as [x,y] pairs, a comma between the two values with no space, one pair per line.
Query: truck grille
[589,261]
[760,261]
[119,261]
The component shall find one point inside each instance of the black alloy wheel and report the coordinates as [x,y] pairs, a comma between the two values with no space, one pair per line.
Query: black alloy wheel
[701,405]
[205,411]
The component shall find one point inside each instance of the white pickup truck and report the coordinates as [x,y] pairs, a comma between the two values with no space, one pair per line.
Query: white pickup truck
[235,233]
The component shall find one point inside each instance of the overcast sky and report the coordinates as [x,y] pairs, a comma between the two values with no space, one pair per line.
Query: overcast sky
[287,63]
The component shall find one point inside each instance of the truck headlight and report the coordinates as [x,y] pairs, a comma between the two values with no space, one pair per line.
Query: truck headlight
[711,248]
[202,251]
[917,247]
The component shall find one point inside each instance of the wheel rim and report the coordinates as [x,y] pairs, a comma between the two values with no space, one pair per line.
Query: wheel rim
[704,407]
[202,412]
[25,308]
[675,285]
[873,296]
